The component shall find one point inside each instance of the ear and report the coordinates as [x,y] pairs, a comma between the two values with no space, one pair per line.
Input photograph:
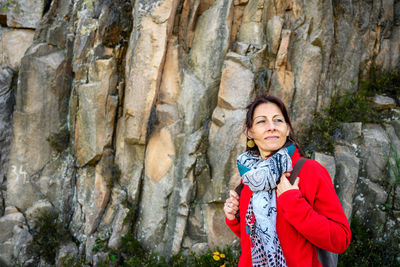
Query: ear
[288,131]
[247,132]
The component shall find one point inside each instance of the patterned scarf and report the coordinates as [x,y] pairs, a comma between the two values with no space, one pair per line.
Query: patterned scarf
[262,177]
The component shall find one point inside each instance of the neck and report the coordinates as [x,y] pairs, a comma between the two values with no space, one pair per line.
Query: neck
[264,154]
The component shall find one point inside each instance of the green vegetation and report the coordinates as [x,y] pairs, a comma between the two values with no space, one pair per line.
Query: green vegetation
[351,107]
[132,253]
[365,250]
[6,6]
[48,235]
[60,140]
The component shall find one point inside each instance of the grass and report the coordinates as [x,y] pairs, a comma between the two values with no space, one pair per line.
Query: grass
[132,253]
[48,235]
[366,250]
[320,133]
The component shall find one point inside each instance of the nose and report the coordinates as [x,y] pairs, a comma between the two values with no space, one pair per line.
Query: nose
[270,126]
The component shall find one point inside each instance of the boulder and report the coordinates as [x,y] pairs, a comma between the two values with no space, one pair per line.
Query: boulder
[328,162]
[7,101]
[23,13]
[347,166]
[373,151]
[95,118]
[40,111]
[13,44]
[66,253]
[37,210]
[383,102]
[369,201]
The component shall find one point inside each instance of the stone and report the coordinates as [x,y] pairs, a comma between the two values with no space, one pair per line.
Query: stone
[346,176]
[307,73]
[211,42]
[119,228]
[373,198]
[237,85]
[13,44]
[7,101]
[6,257]
[171,77]
[7,223]
[351,132]
[282,53]
[218,233]
[147,51]
[274,29]
[23,13]
[57,184]
[374,150]
[159,154]
[231,139]
[328,162]
[282,85]
[200,248]
[40,111]
[38,209]
[95,120]
[11,219]
[22,241]
[252,29]
[396,126]
[66,252]
[383,102]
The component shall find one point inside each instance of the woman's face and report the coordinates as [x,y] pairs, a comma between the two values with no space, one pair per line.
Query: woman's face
[269,129]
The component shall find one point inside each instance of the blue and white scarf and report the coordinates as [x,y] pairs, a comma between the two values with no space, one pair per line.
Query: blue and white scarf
[262,177]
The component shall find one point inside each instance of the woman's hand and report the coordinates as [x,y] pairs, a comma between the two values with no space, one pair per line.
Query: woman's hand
[231,205]
[285,185]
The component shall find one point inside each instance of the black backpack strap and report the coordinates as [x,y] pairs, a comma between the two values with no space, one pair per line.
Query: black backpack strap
[238,190]
[296,169]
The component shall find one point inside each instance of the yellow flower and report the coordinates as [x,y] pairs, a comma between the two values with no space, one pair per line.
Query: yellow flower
[222,265]
[216,253]
[222,256]
[216,257]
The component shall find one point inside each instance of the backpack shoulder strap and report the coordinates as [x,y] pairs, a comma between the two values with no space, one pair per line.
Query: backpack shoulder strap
[296,169]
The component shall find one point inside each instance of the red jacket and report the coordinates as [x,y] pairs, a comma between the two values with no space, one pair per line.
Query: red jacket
[307,218]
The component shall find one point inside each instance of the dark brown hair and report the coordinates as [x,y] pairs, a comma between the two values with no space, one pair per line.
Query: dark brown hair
[269,99]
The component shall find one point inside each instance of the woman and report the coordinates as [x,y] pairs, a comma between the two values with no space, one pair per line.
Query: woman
[281,224]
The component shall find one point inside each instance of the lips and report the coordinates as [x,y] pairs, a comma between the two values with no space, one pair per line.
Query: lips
[271,138]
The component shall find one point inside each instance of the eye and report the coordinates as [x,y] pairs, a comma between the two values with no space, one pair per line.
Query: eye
[260,121]
[278,120]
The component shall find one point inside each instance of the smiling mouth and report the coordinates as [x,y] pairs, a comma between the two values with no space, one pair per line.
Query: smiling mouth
[271,138]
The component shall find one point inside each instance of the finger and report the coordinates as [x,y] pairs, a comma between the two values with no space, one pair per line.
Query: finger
[233,194]
[234,201]
[232,206]
[230,209]
[287,174]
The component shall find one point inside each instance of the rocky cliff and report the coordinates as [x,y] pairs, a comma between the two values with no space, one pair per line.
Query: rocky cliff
[123,115]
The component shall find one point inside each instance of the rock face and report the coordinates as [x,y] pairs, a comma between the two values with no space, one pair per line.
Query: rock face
[127,116]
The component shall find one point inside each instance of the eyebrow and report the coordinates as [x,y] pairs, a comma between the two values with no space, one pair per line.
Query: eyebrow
[266,116]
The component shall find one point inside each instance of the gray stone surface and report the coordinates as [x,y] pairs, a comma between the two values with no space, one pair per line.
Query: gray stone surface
[23,13]
[374,150]
[328,162]
[156,112]
[351,132]
[383,102]
[6,109]
[347,166]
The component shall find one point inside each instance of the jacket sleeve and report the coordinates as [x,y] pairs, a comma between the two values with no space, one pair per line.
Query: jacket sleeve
[315,210]
[234,225]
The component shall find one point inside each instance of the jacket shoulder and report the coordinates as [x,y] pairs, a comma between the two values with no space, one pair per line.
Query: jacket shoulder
[314,168]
